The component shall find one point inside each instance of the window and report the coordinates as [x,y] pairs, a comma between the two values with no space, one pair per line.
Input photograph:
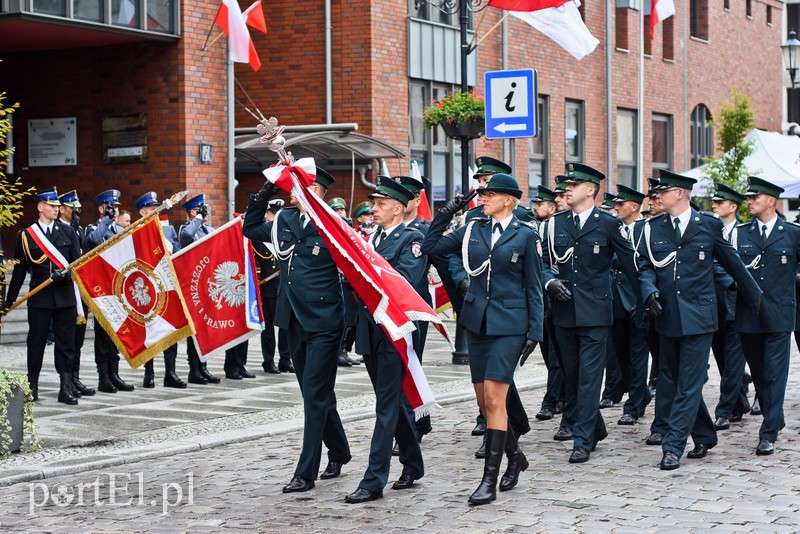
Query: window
[748,8]
[627,152]
[574,130]
[668,33]
[621,28]
[726,5]
[648,42]
[538,150]
[89,10]
[702,135]
[662,141]
[50,7]
[769,15]
[698,19]
[426,11]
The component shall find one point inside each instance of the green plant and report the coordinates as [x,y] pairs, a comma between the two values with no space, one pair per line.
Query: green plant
[458,107]
[9,381]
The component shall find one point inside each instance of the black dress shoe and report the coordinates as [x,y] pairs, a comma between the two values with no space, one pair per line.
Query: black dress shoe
[270,368]
[172,380]
[288,368]
[736,417]
[352,361]
[244,373]
[765,447]
[361,495]
[80,387]
[606,403]
[205,373]
[756,409]
[298,484]
[559,408]
[627,419]
[700,450]
[105,385]
[479,430]
[404,482]
[396,449]
[544,414]
[563,434]
[654,439]
[722,423]
[670,461]
[233,375]
[579,455]
[343,361]
[333,470]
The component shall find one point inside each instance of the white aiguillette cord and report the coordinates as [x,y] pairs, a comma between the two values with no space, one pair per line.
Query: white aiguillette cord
[670,258]
[756,263]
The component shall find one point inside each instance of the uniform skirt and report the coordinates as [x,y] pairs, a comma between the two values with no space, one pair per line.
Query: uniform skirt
[493,357]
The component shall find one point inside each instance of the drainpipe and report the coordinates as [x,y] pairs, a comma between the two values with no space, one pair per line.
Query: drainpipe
[328,81]
[609,103]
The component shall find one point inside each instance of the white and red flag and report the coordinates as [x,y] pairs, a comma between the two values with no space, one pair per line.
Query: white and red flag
[660,10]
[564,25]
[392,301]
[526,5]
[424,209]
[217,278]
[234,24]
[131,288]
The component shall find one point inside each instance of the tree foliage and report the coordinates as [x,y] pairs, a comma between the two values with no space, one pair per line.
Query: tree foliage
[11,193]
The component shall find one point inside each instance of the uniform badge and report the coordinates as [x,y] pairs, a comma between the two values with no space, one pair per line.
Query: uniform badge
[514,257]
[596,249]
[702,255]
[783,260]
[315,250]
[416,249]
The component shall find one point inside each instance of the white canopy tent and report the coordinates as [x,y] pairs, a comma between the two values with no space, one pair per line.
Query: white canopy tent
[775,157]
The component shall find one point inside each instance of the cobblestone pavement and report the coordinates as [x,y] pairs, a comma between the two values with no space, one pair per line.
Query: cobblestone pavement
[237,486]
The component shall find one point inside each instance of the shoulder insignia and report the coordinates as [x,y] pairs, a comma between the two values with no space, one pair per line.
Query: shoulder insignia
[710,214]
[529,224]
[416,249]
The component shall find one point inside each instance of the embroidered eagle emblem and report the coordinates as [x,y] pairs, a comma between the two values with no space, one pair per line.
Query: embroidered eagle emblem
[140,293]
[228,285]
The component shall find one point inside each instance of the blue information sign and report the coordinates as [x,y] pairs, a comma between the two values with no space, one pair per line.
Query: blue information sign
[511,103]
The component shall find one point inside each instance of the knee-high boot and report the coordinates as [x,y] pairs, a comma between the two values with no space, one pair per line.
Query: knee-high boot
[516,462]
[149,375]
[495,446]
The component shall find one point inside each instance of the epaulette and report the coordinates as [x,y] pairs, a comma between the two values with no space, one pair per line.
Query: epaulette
[608,214]
[529,224]
[561,214]
[745,224]
[710,214]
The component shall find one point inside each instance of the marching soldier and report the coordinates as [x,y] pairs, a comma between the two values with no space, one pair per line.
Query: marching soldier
[311,308]
[45,249]
[146,204]
[677,278]
[770,248]
[106,355]
[579,248]
[194,229]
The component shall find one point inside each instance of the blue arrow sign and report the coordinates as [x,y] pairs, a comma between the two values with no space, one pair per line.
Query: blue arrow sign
[511,105]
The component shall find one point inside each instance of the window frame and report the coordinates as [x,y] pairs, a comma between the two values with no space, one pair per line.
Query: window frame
[628,164]
[669,140]
[537,159]
[580,134]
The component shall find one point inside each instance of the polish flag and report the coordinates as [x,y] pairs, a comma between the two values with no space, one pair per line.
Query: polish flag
[424,209]
[564,25]
[661,10]
[526,5]
[254,16]
[234,24]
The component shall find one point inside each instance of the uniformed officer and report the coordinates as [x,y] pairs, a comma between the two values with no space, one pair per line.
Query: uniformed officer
[401,247]
[502,313]
[146,204]
[770,248]
[338,205]
[70,213]
[677,278]
[560,193]
[726,343]
[608,203]
[311,308]
[194,229]
[106,355]
[363,220]
[46,240]
[579,248]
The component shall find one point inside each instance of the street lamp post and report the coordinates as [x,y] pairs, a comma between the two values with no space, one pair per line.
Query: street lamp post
[790,58]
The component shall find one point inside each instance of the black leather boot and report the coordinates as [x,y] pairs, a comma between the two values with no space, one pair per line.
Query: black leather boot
[495,446]
[516,462]
[65,391]
[171,379]
[113,375]
[104,384]
[79,386]
[33,382]
[194,371]
[149,375]
[211,379]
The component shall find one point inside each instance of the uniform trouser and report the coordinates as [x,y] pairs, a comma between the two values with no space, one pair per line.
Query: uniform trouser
[419,336]
[727,348]
[316,358]
[555,390]
[63,320]
[679,398]
[616,382]
[105,352]
[236,357]
[583,356]
[385,370]
[80,336]
[768,357]
[268,335]
[630,346]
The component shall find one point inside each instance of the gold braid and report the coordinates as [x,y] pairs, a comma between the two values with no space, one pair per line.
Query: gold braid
[269,255]
[26,248]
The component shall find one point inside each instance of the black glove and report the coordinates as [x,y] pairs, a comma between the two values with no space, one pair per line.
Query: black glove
[76,217]
[527,349]
[653,305]
[559,291]
[60,275]
[349,337]
[110,212]
[455,205]
[755,306]
[267,191]
[202,210]
[463,286]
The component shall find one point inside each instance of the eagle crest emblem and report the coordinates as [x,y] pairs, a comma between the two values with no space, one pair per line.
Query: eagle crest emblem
[228,285]
[140,293]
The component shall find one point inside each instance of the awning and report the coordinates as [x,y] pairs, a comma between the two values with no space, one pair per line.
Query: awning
[331,149]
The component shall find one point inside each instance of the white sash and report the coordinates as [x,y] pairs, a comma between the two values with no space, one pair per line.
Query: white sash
[54,255]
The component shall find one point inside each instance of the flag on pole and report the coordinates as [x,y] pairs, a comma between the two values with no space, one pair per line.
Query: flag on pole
[525,5]
[563,25]
[234,24]
[660,10]
[394,304]
[131,288]
[254,16]
[424,209]
[217,278]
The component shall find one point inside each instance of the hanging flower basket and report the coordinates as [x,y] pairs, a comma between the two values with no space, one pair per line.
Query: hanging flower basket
[460,114]
[464,130]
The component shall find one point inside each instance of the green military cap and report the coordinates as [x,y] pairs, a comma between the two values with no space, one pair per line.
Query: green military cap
[337,203]
[561,184]
[543,194]
[652,187]
[362,208]
[324,178]
[759,186]
[625,193]
[487,165]
[724,192]
[411,183]
[578,172]
[609,201]
[668,180]
[388,188]
[502,183]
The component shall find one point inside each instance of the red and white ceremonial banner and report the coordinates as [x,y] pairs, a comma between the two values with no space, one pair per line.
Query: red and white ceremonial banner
[58,259]
[387,295]
[217,277]
[131,288]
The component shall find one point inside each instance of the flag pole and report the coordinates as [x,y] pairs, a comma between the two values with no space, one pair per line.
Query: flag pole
[478,27]
[167,204]
[217,38]
[211,29]
[493,28]
[640,125]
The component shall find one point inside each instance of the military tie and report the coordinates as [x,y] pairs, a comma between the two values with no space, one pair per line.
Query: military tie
[577,223]
[498,228]
[763,234]
[47,233]
[627,232]
[379,238]
[677,222]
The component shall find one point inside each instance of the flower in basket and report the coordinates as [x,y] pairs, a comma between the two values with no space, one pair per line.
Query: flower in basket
[456,108]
